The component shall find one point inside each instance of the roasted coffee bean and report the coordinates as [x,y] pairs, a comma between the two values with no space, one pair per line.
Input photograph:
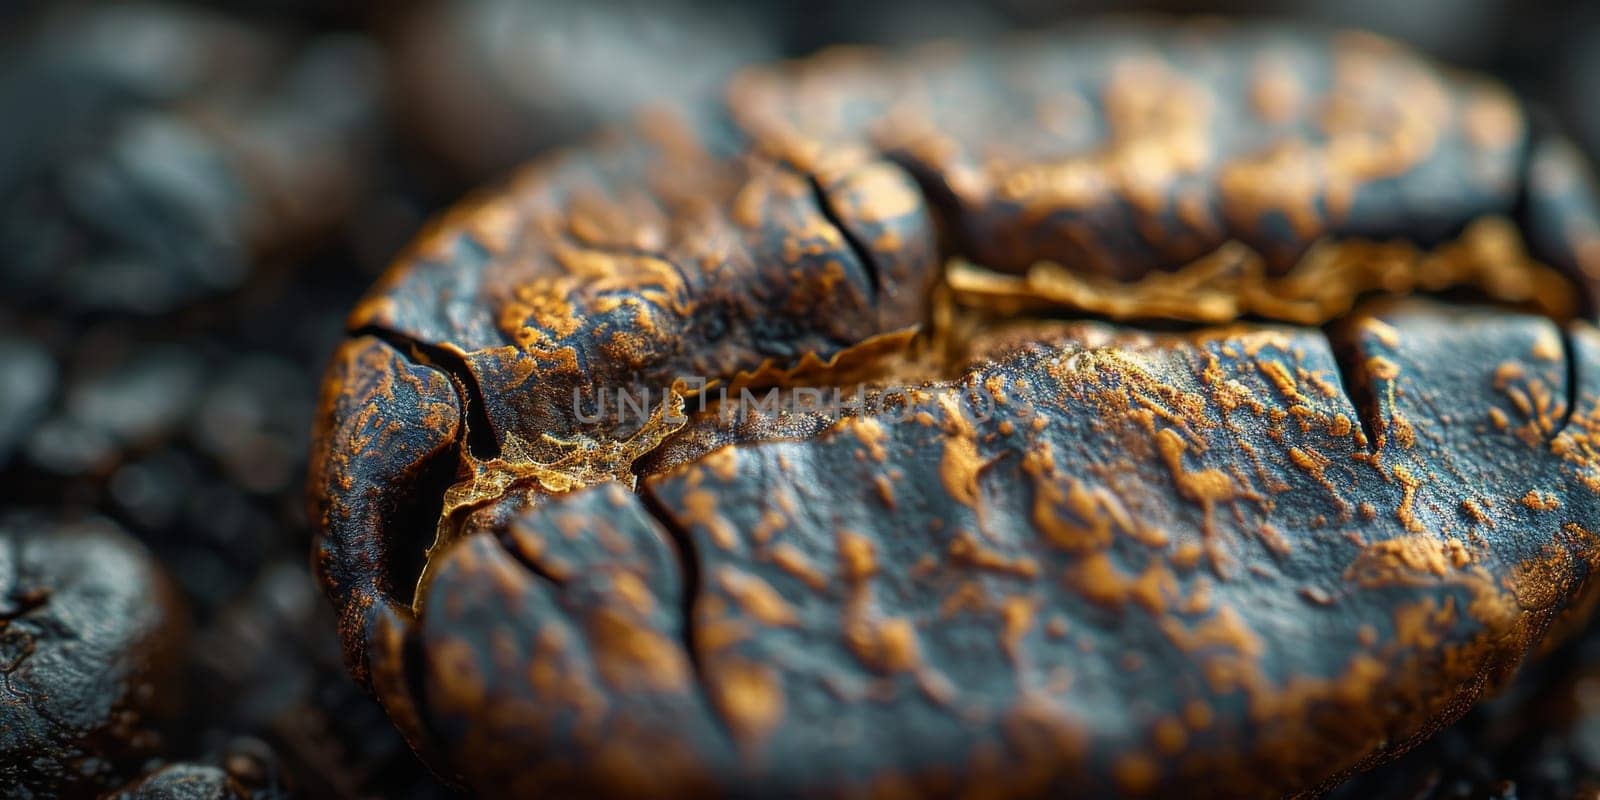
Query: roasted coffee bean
[1035,556]
[91,633]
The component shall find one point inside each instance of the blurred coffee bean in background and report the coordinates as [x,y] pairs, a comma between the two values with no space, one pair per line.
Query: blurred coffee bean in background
[158,155]
[485,84]
[91,645]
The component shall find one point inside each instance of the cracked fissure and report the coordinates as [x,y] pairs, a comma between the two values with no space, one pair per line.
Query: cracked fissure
[689,564]
[477,437]
[1357,389]
[859,250]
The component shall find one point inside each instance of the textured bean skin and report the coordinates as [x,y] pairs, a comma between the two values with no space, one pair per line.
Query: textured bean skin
[1046,557]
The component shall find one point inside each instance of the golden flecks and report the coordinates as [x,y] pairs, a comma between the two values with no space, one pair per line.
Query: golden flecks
[1533,399]
[633,592]
[772,521]
[700,508]
[1093,515]
[897,645]
[1207,487]
[1406,512]
[960,463]
[965,548]
[1382,368]
[1477,511]
[1400,560]
[1017,617]
[885,490]
[878,193]
[757,598]
[1100,581]
[1340,425]
[857,556]
[970,596]
[871,434]
[1315,464]
[1422,624]
[1186,556]
[628,653]
[723,462]
[1547,346]
[750,697]
[750,202]
[1223,633]
[1281,378]
[1404,434]
[1380,331]
[1536,500]
[1273,539]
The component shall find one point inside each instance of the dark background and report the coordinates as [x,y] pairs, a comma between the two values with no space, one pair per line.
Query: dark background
[192,195]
